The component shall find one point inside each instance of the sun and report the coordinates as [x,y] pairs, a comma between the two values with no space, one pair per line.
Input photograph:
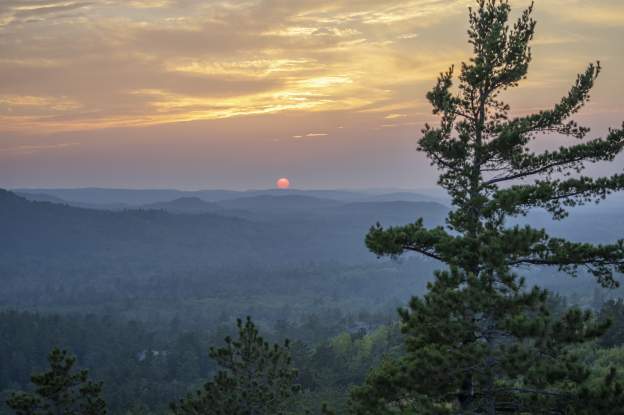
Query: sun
[282,183]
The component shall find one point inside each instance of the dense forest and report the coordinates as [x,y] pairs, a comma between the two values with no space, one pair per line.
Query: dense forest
[186,303]
[145,368]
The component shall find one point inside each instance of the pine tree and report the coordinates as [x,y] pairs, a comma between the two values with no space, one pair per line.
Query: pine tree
[613,311]
[255,378]
[481,341]
[60,390]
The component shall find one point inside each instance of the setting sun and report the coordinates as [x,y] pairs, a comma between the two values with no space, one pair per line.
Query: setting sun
[283,183]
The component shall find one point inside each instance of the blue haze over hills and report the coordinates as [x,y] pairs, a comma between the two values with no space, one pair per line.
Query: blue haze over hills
[122,251]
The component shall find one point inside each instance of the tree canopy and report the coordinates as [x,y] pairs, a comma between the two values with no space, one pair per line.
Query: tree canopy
[255,378]
[481,341]
[60,390]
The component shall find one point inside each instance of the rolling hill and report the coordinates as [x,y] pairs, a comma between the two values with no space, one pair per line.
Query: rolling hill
[185,205]
[300,247]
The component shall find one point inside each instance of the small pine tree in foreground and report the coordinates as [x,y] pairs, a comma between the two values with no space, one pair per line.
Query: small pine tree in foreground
[255,378]
[480,341]
[61,390]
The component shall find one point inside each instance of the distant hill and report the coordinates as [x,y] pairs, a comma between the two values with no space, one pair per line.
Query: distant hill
[101,196]
[53,253]
[391,213]
[299,246]
[213,234]
[337,195]
[49,229]
[402,197]
[185,205]
[281,203]
[123,198]
[42,197]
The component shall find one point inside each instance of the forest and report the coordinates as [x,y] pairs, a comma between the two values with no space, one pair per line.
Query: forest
[502,296]
[145,368]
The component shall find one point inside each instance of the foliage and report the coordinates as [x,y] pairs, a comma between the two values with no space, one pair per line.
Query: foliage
[138,365]
[255,378]
[481,341]
[144,367]
[613,311]
[329,370]
[60,390]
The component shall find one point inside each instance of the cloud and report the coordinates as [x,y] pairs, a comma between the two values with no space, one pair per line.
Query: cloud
[395,116]
[149,4]
[309,135]
[16,12]
[187,60]
[408,36]
[11,102]
[602,13]
[34,148]
[86,64]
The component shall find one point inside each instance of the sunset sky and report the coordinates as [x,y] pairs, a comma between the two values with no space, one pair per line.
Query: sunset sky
[237,93]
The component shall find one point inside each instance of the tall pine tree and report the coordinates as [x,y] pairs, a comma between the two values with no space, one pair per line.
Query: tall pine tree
[480,341]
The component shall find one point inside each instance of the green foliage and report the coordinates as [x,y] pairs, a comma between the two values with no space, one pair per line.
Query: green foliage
[333,367]
[613,311]
[480,341]
[144,367]
[140,366]
[60,390]
[255,378]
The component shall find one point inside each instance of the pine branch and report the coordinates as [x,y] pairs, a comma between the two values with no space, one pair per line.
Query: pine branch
[552,195]
[544,169]
[413,237]
[578,96]
[422,251]
[600,260]
[566,157]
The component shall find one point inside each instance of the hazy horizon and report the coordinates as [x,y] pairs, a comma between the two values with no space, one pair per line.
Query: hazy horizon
[241,189]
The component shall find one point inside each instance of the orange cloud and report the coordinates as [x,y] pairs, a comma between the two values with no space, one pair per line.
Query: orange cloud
[80,65]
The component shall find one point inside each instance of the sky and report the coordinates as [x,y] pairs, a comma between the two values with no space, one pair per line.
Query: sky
[234,94]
